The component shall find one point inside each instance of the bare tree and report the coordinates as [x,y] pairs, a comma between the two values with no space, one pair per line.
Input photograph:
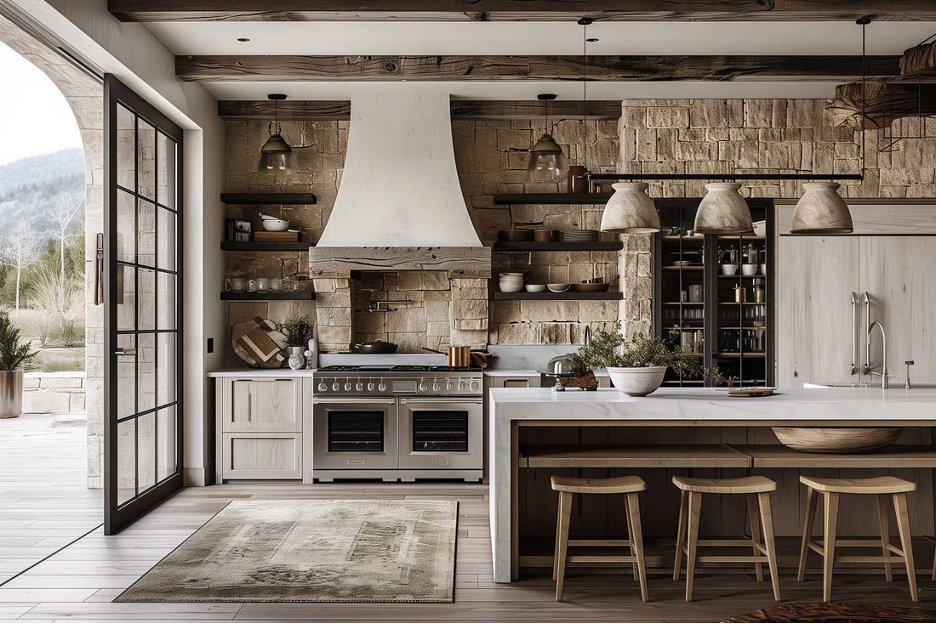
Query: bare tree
[67,209]
[20,249]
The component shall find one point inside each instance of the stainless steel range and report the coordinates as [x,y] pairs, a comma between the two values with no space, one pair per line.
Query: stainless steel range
[398,423]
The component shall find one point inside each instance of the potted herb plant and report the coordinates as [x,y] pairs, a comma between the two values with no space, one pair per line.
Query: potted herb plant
[13,355]
[298,332]
[637,367]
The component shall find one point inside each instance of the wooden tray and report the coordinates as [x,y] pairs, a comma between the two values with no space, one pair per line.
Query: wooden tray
[737,393]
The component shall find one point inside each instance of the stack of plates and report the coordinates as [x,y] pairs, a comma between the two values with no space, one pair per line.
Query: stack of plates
[511,282]
[580,236]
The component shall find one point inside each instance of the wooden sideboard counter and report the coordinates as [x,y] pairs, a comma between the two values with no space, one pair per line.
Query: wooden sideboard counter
[515,409]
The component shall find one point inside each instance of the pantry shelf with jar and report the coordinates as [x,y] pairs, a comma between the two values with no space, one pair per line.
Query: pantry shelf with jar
[713,294]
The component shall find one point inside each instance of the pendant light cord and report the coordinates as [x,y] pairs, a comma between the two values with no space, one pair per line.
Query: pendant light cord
[864,89]
[584,22]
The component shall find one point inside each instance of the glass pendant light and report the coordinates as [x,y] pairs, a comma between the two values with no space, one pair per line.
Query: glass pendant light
[546,160]
[723,210]
[276,156]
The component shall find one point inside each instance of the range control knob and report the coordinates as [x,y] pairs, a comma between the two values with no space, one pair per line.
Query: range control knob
[347,386]
[462,386]
[359,386]
[436,386]
[335,386]
[474,386]
[322,387]
[382,387]
[450,385]
[422,385]
[370,386]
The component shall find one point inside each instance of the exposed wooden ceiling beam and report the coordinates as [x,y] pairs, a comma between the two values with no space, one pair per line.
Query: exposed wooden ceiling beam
[465,68]
[885,102]
[516,10]
[305,110]
[919,61]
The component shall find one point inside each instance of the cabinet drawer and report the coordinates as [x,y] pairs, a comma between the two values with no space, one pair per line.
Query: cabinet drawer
[261,456]
[262,405]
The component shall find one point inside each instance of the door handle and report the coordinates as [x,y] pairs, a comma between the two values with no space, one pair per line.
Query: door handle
[856,351]
[124,351]
[867,305]
[99,269]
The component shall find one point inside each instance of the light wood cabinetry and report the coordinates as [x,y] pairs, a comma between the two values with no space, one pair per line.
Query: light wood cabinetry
[259,428]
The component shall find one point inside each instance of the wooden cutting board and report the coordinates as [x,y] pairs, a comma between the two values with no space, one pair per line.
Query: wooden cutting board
[259,343]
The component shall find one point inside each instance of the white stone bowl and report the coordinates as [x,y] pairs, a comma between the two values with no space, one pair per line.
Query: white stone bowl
[748,270]
[558,288]
[639,381]
[729,269]
[535,288]
[509,287]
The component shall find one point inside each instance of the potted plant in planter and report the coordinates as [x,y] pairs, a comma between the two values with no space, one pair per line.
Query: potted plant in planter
[637,367]
[298,332]
[13,355]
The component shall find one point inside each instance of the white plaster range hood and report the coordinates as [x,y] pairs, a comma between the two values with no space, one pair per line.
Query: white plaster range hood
[400,205]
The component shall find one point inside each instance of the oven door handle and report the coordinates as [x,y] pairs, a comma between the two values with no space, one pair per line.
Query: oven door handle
[349,400]
[446,400]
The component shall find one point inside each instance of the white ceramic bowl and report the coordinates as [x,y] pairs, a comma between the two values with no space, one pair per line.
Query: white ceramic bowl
[760,228]
[534,288]
[748,269]
[763,268]
[275,225]
[637,381]
[558,288]
[511,288]
[729,269]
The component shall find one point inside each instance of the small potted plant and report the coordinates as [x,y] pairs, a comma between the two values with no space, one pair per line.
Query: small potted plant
[13,355]
[637,367]
[298,332]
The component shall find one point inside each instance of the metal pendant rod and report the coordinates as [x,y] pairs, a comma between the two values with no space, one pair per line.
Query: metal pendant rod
[726,177]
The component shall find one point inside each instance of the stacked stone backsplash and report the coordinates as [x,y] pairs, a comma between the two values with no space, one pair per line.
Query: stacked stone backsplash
[756,136]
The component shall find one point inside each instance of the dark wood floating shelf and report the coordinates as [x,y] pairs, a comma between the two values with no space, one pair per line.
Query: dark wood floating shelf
[551,198]
[265,246]
[268,198]
[268,296]
[569,295]
[525,246]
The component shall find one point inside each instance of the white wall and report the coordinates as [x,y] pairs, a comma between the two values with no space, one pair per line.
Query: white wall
[139,60]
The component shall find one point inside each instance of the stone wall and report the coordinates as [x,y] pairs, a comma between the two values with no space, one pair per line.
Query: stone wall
[756,136]
[54,393]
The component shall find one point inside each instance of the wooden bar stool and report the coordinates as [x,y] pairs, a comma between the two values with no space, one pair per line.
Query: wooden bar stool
[875,486]
[757,490]
[629,487]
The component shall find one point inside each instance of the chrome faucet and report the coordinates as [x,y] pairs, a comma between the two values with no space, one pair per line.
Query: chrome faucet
[867,370]
[908,364]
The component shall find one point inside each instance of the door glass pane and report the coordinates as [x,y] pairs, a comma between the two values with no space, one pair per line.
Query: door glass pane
[356,431]
[146,233]
[146,451]
[126,456]
[126,170]
[126,226]
[146,159]
[166,371]
[126,297]
[166,255]
[165,442]
[126,375]
[147,299]
[166,171]
[146,371]
[166,291]
[437,430]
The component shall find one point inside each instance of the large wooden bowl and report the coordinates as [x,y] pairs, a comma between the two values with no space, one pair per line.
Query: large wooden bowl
[837,439]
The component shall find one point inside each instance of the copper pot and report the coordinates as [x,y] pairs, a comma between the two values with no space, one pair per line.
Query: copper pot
[459,356]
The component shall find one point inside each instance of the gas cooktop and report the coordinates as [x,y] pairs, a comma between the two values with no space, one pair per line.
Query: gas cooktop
[400,380]
[390,368]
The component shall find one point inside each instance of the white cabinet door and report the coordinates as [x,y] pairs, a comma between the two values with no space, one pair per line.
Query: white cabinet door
[264,405]
[817,326]
[899,276]
[261,456]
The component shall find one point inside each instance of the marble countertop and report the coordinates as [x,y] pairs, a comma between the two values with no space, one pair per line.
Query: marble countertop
[525,372]
[246,373]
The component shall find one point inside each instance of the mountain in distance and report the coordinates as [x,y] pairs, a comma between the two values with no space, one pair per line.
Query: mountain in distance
[31,188]
[41,169]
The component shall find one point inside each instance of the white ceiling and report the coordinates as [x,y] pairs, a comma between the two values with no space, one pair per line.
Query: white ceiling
[536,38]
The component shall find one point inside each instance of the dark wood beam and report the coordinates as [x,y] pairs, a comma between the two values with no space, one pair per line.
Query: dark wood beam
[919,61]
[493,110]
[885,102]
[516,10]
[467,68]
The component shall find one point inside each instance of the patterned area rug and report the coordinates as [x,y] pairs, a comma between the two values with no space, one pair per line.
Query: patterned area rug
[312,551]
[836,612]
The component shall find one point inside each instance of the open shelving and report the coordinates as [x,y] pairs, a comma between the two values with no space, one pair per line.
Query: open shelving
[569,295]
[530,246]
[518,199]
[269,199]
[265,246]
[268,296]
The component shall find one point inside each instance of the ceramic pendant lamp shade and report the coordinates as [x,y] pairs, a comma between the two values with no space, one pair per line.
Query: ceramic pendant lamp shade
[630,210]
[723,210]
[821,210]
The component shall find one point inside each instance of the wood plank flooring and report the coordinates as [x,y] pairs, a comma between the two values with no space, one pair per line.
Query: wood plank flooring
[79,582]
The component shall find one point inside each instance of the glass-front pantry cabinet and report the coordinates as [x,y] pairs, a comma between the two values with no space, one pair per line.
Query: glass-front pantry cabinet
[713,295]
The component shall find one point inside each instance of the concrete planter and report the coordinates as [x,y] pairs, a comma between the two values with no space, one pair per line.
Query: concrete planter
[11,393]
[639,381]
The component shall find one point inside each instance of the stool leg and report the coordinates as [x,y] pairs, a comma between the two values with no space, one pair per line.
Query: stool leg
[885,535]
[812,500]
[754,519]
[630,537]
[767,519]
[831,522]
[565,504]
[693,512]
[906,544]
[558,533]
[633,511]
[681,536]
[934,567]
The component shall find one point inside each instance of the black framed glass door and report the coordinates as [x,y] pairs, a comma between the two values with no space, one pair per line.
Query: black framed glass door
[143,307]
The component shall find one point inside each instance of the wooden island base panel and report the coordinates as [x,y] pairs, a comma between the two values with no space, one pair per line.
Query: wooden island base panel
[535,434]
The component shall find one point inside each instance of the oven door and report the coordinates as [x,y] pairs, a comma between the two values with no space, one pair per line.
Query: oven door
[354,434]
[441,433]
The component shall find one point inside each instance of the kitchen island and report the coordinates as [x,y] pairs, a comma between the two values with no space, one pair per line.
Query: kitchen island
[515,409]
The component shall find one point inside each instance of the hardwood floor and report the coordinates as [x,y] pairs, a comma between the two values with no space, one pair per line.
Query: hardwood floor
[79,582]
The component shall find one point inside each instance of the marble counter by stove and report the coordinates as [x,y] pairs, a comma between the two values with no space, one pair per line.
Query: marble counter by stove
[686,408]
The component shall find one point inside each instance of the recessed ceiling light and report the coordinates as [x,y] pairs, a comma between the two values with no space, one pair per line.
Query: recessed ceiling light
[243,39]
